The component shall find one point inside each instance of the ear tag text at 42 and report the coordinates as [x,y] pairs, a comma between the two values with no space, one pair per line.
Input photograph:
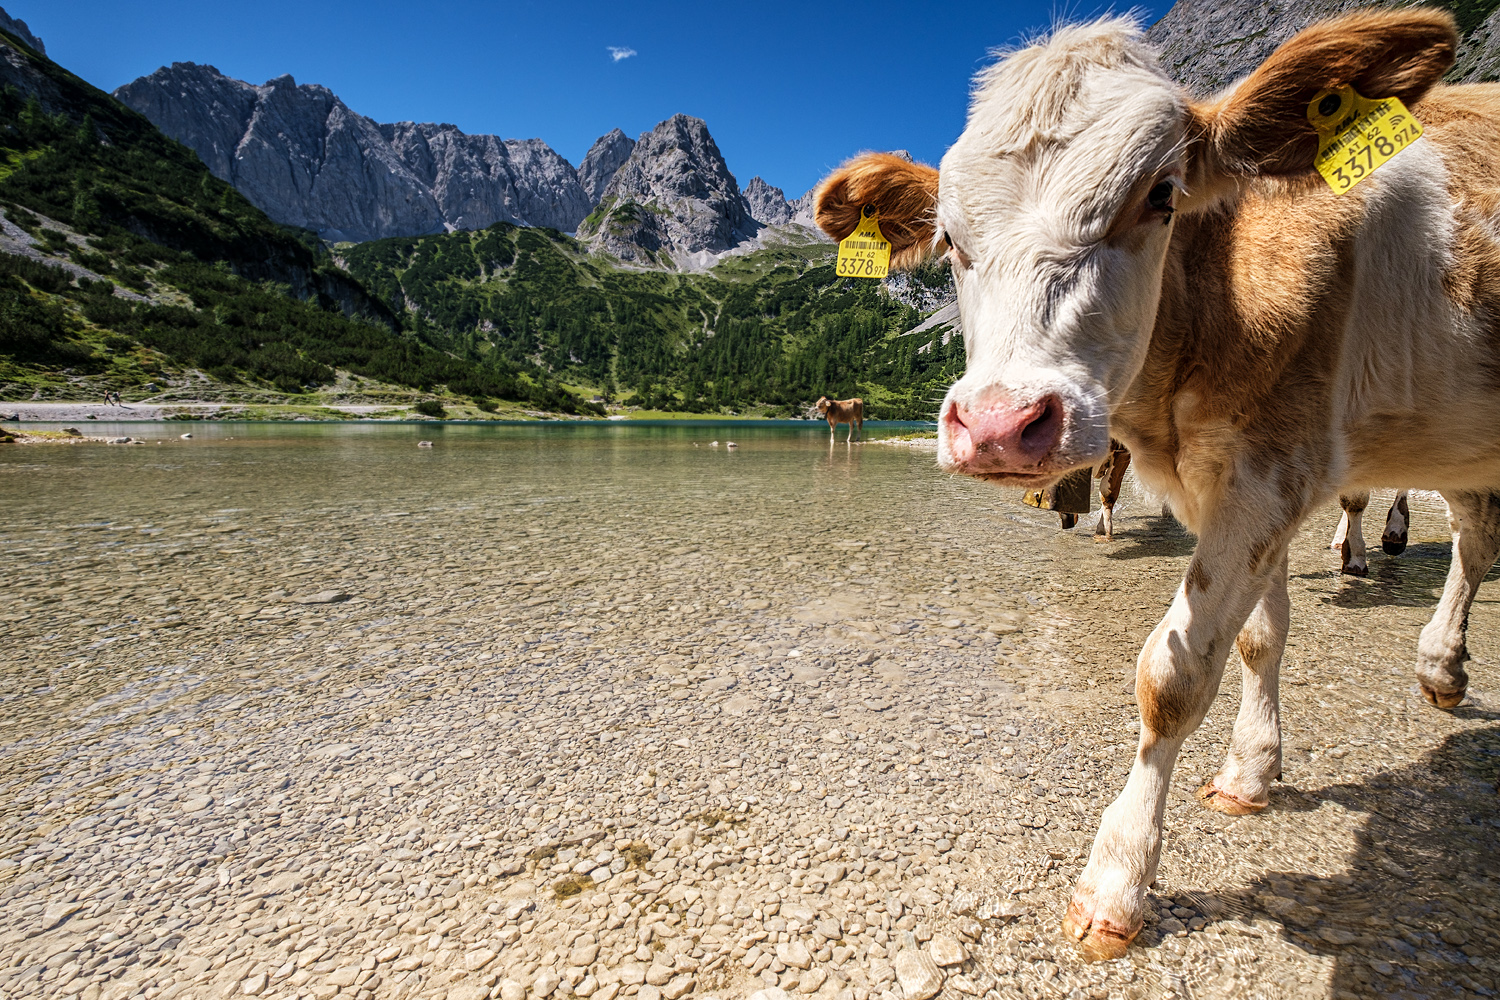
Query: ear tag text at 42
[865,253]
[1356,136]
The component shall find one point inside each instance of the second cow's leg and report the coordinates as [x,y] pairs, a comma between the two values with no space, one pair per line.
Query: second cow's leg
[1442,650]
[1243,784]
[1177,677]
[1110,481]
[1352,545]
[1397,524]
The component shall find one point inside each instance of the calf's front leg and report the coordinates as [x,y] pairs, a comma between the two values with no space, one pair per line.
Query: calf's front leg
[1177,676]
[1442,649]
[1111,479]
[1243,784]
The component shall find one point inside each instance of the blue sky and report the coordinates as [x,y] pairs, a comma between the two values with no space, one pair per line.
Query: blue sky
[787,89]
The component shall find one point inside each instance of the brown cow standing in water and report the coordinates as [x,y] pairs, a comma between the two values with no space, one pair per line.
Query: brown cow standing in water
[1138,264]
[842,411]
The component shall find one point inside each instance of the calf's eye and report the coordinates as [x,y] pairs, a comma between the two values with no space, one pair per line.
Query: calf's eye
[1160,197]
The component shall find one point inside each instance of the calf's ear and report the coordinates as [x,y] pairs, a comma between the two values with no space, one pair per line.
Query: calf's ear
[903,193]
[1260,126]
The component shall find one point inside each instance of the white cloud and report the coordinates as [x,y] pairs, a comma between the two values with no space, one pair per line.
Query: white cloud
[618,52]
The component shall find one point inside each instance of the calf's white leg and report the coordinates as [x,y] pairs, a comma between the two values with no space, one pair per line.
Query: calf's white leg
[1340,533]
[1243,784]
[1177,676]
[1442,650]
[1397,524]
[1352,547]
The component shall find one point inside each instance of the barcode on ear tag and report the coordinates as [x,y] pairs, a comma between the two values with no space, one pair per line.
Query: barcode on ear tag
[1357,136]
[865,253]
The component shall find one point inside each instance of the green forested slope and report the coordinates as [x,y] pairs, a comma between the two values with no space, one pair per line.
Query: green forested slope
[776,328]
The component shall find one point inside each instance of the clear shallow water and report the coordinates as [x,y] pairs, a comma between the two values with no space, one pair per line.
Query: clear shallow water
[630,585]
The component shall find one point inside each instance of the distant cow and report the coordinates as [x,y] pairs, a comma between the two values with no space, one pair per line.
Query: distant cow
[1138,264]
[842,411]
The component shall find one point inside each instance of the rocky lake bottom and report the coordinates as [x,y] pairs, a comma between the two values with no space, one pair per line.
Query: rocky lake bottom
[554,712]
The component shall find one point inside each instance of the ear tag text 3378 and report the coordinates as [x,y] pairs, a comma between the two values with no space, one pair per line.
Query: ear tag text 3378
[1356,136]
[865,253]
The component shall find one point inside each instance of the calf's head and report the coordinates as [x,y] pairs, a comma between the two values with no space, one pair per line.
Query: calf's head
[1057,205]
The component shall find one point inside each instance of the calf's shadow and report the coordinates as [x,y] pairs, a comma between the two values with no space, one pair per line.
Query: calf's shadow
[1416,911]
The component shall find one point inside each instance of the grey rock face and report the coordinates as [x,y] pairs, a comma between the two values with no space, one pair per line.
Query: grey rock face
[18,28]
[608,153]
[307,159]
[674,193]
[1479,53]
[767,204]
[199,107]
[803,210]
[480,179]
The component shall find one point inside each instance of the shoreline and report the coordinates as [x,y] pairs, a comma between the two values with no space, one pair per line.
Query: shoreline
[202,411]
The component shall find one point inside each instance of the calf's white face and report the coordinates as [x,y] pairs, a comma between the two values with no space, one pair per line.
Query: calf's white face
[1056,209]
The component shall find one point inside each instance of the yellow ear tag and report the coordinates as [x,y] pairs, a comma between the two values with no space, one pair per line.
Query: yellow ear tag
[1356,135]
[865,253]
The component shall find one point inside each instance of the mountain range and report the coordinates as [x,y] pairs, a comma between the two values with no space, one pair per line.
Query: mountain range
[303,156]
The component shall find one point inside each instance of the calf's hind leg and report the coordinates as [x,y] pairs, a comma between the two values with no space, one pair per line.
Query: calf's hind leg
[1177,676]
[1243,784]
[1349,539]
[1397,524]
[1442,649]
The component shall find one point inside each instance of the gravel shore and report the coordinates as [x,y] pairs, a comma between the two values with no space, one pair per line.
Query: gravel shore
[321,746]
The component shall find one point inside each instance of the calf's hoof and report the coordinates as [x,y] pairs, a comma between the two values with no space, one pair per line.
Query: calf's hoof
[1099,939]
[1443,699]
[1218,800]
[1350,564]
[1393,545]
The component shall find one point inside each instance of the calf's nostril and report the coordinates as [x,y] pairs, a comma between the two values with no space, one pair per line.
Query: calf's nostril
[1044,429]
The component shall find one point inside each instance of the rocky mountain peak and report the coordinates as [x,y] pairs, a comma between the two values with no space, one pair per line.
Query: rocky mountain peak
[604,158]
[767,204]
[18,28]
[673,195]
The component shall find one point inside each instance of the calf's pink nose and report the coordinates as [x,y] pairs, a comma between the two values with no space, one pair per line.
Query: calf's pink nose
[1002,436]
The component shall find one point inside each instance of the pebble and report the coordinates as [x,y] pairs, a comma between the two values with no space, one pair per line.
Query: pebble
[946,950]
[918,974]
[794,954]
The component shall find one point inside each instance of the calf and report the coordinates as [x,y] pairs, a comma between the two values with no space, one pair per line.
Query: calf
[842,411]
[1137,264]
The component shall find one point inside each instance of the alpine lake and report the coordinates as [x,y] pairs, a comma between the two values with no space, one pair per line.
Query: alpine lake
[605,710]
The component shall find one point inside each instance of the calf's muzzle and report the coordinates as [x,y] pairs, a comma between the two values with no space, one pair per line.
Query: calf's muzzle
[1003,437]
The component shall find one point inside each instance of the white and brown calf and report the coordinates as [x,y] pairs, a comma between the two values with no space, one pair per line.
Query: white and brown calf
[1349,536]
[1136,263]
